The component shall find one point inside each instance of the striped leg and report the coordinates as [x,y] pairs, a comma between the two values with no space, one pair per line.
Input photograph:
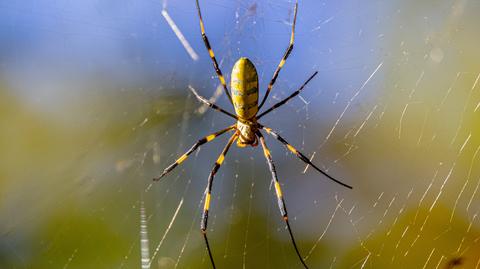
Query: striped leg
[202,141]
[301,156]
[284,58]
[284,101]
[212,55]
[280,200]
[212,105]
[208,192]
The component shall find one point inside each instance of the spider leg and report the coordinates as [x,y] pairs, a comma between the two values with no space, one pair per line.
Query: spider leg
[284,101]
[212,105]
[284,58]
[280,200]
[212,55]
[202,141]
[208,192]
[301,156]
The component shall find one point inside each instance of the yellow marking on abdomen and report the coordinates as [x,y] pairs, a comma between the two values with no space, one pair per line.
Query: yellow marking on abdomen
[248,99]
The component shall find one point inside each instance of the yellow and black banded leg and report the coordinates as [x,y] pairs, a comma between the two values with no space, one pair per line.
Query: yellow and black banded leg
[208,192]
[284,58]
[280,199]
[288,98]
[212,105]
[301,156]
[200,142]
[212,55]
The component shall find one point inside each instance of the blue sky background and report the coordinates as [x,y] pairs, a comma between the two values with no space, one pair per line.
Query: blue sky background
[49,44]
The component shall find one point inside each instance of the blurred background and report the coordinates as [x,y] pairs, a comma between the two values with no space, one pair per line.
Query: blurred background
[94,103]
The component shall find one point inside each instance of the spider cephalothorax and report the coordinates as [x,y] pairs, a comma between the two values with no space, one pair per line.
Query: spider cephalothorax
[244,98]
[247,133]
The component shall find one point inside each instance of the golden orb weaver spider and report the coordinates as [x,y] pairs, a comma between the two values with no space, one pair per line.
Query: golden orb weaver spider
[244,98]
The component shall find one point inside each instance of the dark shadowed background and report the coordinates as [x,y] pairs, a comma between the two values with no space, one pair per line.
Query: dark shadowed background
[94,103]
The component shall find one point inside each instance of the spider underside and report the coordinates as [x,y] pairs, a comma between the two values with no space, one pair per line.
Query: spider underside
[247,129]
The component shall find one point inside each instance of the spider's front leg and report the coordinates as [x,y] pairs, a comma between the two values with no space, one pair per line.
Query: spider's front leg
[284,58]
[212,55]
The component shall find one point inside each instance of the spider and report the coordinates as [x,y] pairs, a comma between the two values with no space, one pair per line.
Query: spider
[246,130]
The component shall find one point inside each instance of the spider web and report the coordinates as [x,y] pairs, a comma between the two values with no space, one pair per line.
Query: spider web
[95,103]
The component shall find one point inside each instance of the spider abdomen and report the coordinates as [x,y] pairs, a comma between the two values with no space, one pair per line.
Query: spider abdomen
[244,87]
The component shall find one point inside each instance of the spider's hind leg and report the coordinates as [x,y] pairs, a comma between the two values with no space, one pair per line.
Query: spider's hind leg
[301,156]
[280,199]
[195,146]
[208,191]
